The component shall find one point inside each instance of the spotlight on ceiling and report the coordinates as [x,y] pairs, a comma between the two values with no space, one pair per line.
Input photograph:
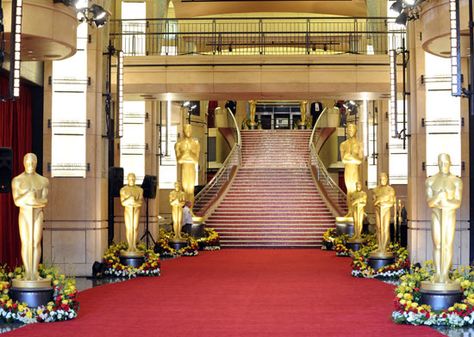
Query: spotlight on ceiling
[410,2]
[99,15]
[186,104]
[402,19]
[397,6]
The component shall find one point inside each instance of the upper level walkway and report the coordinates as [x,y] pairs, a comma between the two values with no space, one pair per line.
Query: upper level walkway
[212,58]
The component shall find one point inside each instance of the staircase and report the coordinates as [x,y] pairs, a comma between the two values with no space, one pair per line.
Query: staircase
[273,201]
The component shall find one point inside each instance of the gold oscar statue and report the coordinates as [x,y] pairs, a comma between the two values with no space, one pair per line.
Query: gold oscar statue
[131,197]
[177,201]
[359,201]
[444,193]
[187,154]
[253,109]
[30,193]
[302,123]
[351,155]
[384,199]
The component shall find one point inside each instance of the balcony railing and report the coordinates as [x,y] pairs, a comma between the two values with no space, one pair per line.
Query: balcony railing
[255,36]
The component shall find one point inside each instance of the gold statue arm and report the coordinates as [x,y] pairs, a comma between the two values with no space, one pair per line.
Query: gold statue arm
[27,198]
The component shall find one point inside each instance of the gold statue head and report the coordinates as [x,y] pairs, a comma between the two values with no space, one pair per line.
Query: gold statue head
[30,161]
[187,130]
[351,130]
[131,179]
[383,179]
[358,186]
[444,163]
[177,186]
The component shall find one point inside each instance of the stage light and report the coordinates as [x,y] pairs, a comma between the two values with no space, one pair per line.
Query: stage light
[397,6]
[120,92]
[410,2]
[99,15]
[193,107]
[402,19]
[456,85]
[186,104]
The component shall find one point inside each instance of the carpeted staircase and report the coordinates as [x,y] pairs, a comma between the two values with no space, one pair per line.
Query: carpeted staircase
[273,201]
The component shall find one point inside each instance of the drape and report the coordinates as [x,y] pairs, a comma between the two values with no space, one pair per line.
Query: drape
[15,133]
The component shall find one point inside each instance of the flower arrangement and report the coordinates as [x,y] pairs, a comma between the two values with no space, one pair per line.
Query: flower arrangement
[63,307]
[113,267]
[361,268]
[210,241]
[408,309]
[167,251]
[328,239]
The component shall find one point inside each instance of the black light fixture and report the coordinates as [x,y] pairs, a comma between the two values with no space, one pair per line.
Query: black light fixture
[397,6]
[402,19]
[94,14]
[98,15]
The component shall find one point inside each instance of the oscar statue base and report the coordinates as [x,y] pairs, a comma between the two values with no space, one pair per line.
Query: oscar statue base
[33,293]
[133,259]
[301,126]
[440,296]
[378,260]
[345,225]
[253,126]
[178,244]
[354,245]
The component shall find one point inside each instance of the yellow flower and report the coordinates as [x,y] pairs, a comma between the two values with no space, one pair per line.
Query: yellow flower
[451,309]
[402,302]
[408,296]
[21,307]
[49,307]
[414,305]
[29,314]
[39,311]
[64,301]
[55,282]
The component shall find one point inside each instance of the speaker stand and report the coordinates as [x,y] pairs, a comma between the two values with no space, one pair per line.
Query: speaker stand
[147,235]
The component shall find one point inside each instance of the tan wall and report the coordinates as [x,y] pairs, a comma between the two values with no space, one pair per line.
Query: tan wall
[257,77]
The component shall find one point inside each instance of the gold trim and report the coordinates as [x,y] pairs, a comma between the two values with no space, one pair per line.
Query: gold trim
[125,253]
[381,255]
[31,284]
[442,287]
[345,219]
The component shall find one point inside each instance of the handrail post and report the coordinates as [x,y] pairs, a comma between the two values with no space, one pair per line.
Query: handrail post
[214,36]
[308,37]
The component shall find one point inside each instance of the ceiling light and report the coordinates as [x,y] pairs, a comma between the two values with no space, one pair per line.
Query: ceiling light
[409,2]
[99,15]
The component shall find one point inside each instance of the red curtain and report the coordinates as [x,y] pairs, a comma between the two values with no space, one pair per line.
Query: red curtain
[15,132]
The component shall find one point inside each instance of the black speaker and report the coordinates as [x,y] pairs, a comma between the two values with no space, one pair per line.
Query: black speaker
[6,169]
[116,180]
[149,187]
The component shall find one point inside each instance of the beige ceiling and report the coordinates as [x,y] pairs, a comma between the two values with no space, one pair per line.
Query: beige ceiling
[328,7]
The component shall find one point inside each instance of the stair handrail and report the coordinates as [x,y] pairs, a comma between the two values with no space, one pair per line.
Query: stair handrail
[322,172]
[234,158]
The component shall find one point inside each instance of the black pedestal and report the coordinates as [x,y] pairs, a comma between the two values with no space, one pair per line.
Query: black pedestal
[197,231]
[379,262]
[34,297]
[177,245]
[440,300]
[345,228]
[134,261]
[354,246]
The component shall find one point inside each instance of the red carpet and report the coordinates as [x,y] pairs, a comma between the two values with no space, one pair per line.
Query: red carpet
[238,293]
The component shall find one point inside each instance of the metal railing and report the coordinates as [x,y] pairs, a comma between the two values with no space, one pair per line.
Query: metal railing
[207,196]
[338,198]
[254,36]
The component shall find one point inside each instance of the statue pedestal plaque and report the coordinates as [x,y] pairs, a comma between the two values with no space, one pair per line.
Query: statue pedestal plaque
[33,293]
[345,225]
[440,296]
[378,260]
[133,259]
[354,245]
[178,244]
